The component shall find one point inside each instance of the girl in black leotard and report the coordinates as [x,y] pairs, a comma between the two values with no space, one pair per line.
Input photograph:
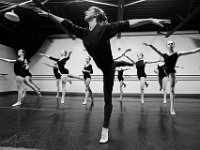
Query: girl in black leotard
[57,76]
[140,66]
[87,70]
[96,40]
[64,71]
[20,76]
[120,77]
[170,60]
[162,78]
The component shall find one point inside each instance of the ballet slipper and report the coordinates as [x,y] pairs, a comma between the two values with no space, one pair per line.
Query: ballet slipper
[62,101]
[84,102]
[17,104]
[172,112]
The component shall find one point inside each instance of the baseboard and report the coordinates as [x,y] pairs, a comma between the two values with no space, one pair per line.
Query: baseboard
[101,94]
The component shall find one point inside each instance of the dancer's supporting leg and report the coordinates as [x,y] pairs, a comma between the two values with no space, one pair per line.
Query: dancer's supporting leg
[64,79]
[164,87]
[160,81]
[172,80]
[20,87]
[121,89]
[108,80]
[142,84]
[58,87]
[87,91]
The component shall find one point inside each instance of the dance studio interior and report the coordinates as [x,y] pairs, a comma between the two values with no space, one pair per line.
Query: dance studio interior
[61,87]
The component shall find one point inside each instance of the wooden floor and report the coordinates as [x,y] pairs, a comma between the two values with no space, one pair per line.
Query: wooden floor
[44,123]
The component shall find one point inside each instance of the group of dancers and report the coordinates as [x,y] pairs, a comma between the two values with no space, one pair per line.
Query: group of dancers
[96,39]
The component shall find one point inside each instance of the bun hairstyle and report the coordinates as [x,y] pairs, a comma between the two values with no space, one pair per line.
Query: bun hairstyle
[100,15]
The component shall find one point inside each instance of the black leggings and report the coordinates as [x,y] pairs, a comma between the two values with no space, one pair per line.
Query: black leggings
[108,81]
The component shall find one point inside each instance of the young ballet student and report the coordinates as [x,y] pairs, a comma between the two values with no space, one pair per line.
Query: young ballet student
[170,60]
[96,39]
[57,75]
[87,70]
[20,76]
[120,72]
[140,66]
[65,75]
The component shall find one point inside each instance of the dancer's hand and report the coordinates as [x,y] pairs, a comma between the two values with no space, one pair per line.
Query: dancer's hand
[161,22]
[146,44]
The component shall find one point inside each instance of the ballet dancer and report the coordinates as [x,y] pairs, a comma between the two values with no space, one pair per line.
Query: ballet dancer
[140,66]
[170,60]
[20,76]
[64,57]
[96,39]
[87,70]
[57,75]
[120,77]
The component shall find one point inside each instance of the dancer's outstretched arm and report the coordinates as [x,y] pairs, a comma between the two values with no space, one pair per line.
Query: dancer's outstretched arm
[48,65]
[130,60]
[123,54]
[8,60]
[181,53]
[152,61]
[155,49]
[48,56]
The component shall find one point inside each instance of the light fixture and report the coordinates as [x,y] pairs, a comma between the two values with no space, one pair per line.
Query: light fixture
[12,16]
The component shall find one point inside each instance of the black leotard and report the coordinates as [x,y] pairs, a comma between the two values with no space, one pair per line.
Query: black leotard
[18,65]
[87,74]
[170,62]
[26,70]
[120,75]
[161,71]
[56,73]
[61,64]
[140,65]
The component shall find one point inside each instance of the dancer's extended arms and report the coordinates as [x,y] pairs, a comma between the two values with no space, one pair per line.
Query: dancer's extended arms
[133,22]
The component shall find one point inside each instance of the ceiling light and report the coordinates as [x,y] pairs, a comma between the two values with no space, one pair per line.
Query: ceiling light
[12,16]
